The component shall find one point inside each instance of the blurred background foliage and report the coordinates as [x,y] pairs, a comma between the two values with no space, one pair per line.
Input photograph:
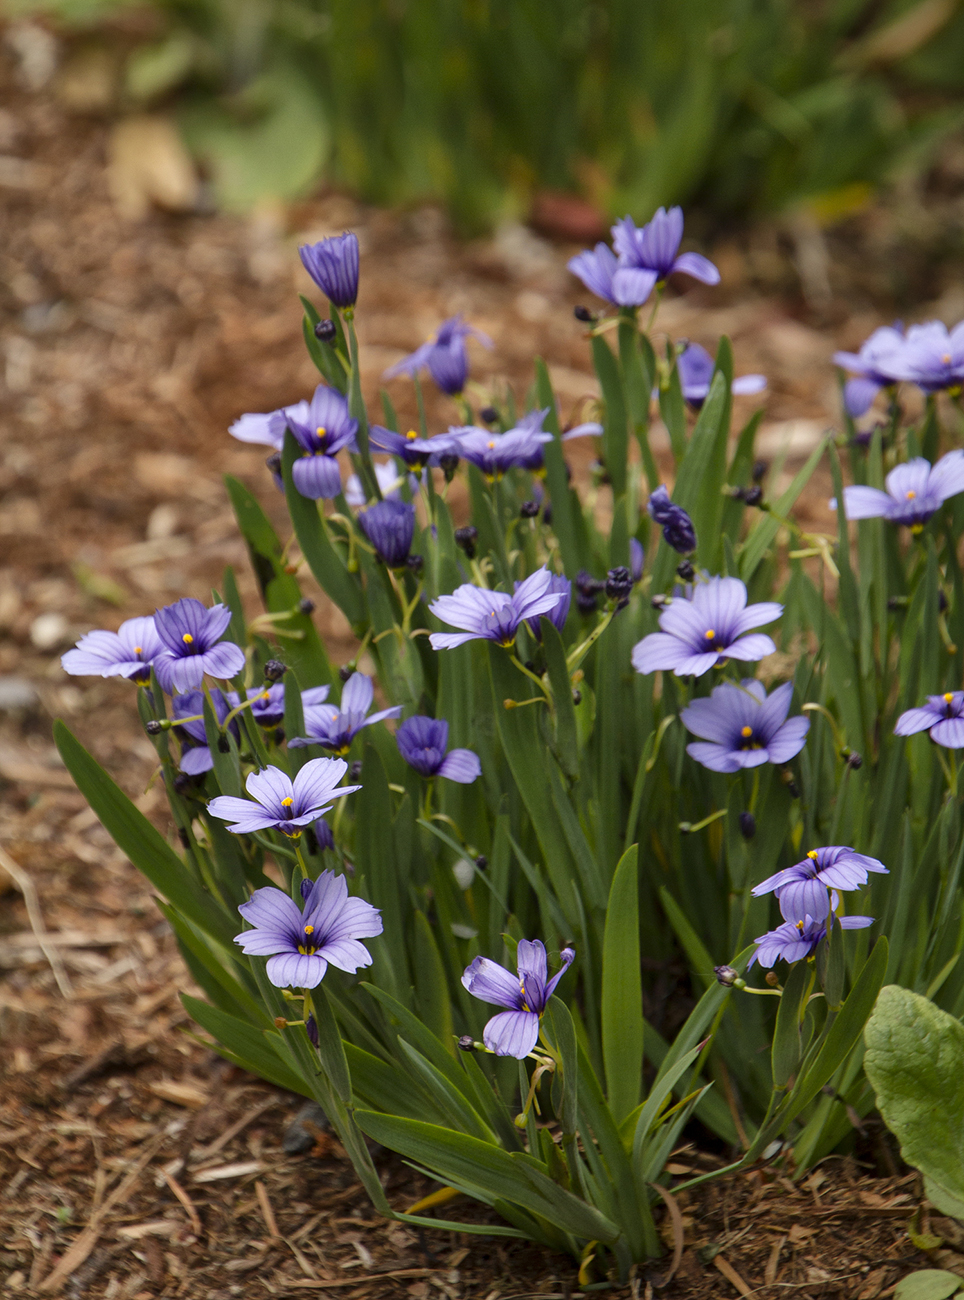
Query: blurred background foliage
[736,105]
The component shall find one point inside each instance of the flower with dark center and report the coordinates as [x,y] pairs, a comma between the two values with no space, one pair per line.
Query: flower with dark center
[492,615]
[515,1031]
[914,492]
[195,755]
[872,366]
[653,248]
[409,447]
[466,538]
[334,727]
[495,453]
[559,613]
[322,428]
[422,743]
[676,524]
[699,633]
[279,804]
[941,717]
[325,331]
[192,645]
[389,526]
[932,357]
[333,265]
[300,945]
[444,356]
[128,652]
[742,726]
[695,367]
[800,935]
[805,884]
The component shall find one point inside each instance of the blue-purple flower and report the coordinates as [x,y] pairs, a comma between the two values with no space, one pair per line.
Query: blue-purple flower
[280,804]
[873,367]
[914,492]
[741,726]
[932,357]
[300,945]
[654,248]
[677,526]
[637,558]
[695,368]
[492,615]
[800,936]
[412,449]
[804,886]
[941,717]
[699,633]
[515,1031]
[333,265]
[390,526]
[192,646]
[187,714]
[495,453]
[322,427]
[423,742]
[263,429]
[444,356]
[268,707]
[128,652]
[335,726]
[602,273]
[559,613]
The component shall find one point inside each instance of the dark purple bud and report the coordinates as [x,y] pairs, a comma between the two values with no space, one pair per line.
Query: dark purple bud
[941,601]
[584,314]
[325,330]
[354,770]
[586,604]
[183,783]
[274,670]
[311,1028]
[585,582]
[747,825]
[481,862]
[529,509]
[449,463]
[786,777]
[678,530]
[727,976]
[415,563]
[274,463]
[467,1043]
[466,538]
[686,571]
[153,728]
[854,761]
[753,496]
[760,468]
[306,885]
[489,415]
[346,671]
[333,265]
[577,697]
[306,606]
[619,583]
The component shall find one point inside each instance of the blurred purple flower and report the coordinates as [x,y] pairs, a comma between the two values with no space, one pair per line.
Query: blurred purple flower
[804,885]
[389,481]
[695,367]
[915,492]
[515,1032]
[128,652]
[941,717]
[559,613]
[195,754]
[494,453]
[637,558]
[335,727]
[678,530]
[605,276]
[492,615]
[872,365]
[697,634]
[800,935]
[322,427]
[333,265]
[444,356]
[422,743]
[268,709]
[300,945]
[390,526]
[412,449]
[281,804]
[742,726]
[192,646]
[267,430]
[654,247]
[932,357]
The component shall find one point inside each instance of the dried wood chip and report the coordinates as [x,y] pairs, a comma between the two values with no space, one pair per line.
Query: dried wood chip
[267,1213]
[240,1170]
[731,1275]
[185,1200]
[156,1228]
[770,1275]
[322,1283]
[180,1092]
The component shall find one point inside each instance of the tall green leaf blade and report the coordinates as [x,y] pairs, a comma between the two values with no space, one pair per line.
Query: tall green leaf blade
[622,992]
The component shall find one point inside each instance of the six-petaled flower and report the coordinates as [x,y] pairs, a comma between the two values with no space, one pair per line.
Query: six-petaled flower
[128,652]
[495,453]
[699,633]
[915,492]
[278,803]
[444,356]
[804,886]
[515,1031]
[192,646]
[941,717]
[742,726]
[322,427]
[492,615]
[333,726]
[801,934]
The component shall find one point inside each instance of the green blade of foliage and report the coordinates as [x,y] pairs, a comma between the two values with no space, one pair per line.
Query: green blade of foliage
[247,1046]
[622,994]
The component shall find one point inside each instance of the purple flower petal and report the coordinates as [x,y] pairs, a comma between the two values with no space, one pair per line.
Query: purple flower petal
[296,970]
[196,760]
[914,720]
[461,765]
[659,650]
[450,640]
[632,286]
[271,908]
[490,982]
[317,477]
[223,661]
[859,394]
[512,1033]
[751,648]
[949,732]
[789,740]
[270,787]
[699,267]
[347,954]
[717,758]
[864,502]
[531,959]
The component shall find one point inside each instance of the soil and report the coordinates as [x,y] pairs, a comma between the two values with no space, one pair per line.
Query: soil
[133,1163]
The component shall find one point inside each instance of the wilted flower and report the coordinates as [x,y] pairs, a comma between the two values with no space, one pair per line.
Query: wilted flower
[676,524]
[515,1032]
[195,754]
[494,453]
[873,366]
[444,356]
[805,884]
[389,526]
[492,615]
[940,717]
[300,945]
[333,265]
[695,368]
[932,357]
[322,427]
[557,616]
[281,804]
[409,447]
[700,633]
[128,652]
[335,727]
[192,646]
[743,727]
[422,743]
[653,248]
[799,936]
[915,491]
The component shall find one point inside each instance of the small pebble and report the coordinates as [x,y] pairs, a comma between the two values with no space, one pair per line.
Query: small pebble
[17,693]
[302,1133]
[48,631]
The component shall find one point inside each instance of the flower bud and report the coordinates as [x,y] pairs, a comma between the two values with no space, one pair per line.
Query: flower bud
[274,670]
[466,1043]
[466,538]
[481,862]
[577,697]
[489,415]
[311,1028]
[854,761]
[346,671]
[619,583]
[726,976]
[753,496]
[326,330]
[760,468]
[415,563]
[306,887]
[306,606]
[686,571]
[529,509]
[584,314]
[747,825]
[354,769]
[772,978]
[153,728]
[449,464]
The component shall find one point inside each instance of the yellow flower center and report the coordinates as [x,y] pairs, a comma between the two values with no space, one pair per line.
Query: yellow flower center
[812,854]
[946,358]
[266,696]
[746,732]
[321,431]
[949,695]
[309,929]
[187,638]
[710,635]
[911,495]
[411,435]
[490,445]
[800,926]
[286,803]
[138,649]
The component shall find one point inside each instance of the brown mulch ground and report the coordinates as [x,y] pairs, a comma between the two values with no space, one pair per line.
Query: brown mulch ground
[133,1163]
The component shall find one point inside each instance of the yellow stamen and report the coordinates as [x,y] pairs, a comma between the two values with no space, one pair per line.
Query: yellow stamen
[187,638]
[321,431]
[138,649]
[490,445]
[800,926]
[411,435]
[710,635]
[911,495]
[812,854]
[746,732]
[946,358]
[948,697]
[266,696]
[286,803]
[309,929]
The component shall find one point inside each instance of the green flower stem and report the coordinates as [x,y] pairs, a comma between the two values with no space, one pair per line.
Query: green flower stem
[575,657]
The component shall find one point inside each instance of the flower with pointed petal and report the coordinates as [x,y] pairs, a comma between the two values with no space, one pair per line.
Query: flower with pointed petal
[300,945]
[128,652]
[515,1031]
[699,633]
[800,935]
[422,743]
[558,615]
[335,726]
[192,645]
[932,357]
[604,275]
[280,804]
[268,707]
[695,367]
[494,453]
[444,356]
[637,558]
[942,716]
[322,427]
[409,447]
[915,492]
[654,247]
[805,884]
[333,265]
[872,366]
[742,726]
[492,615]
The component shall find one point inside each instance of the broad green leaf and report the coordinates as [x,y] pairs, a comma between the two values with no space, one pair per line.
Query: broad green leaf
[622,994]
[928,1284]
